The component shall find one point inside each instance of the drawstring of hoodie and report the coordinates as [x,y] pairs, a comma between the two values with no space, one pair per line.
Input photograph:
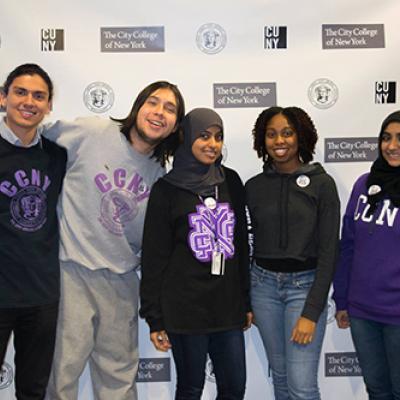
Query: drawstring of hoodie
[283,209]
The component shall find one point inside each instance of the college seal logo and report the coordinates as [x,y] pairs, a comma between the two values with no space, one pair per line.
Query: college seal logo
[117,208]
[28,209]
[211,38]
[323,93]
[6,376]
[98,97]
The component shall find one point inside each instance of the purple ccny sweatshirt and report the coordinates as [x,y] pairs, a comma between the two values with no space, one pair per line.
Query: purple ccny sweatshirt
[367,280]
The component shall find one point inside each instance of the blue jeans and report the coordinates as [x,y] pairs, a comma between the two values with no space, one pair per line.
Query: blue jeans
[277,301]
[378,351]
[226,351]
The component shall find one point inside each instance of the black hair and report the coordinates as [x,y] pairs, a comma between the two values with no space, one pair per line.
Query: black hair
[302,124]
[169,145]
[393,117]
[29,69]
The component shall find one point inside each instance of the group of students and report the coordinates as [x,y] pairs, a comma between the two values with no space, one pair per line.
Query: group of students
[187,230]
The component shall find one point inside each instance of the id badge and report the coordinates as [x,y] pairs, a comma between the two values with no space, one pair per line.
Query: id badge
[217,263]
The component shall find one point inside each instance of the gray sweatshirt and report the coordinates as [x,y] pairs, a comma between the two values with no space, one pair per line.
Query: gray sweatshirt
[105,194]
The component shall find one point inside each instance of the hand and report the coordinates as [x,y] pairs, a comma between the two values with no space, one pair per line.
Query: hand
[342,319]
[303,331]
[249,320]
[160,340]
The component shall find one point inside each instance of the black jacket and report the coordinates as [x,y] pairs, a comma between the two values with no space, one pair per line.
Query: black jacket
[178,292]
[295,219]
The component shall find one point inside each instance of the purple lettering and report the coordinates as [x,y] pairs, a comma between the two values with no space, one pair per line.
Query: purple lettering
[211,230]
[119,177]
[20,177]
[8,189]
[46,183]
[143,195]
[35,177]
[102,183]
[134,183]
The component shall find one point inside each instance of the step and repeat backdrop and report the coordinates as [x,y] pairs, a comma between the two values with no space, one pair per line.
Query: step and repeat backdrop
[337,60]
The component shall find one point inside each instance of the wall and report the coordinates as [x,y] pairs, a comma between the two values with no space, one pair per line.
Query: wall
[328,57]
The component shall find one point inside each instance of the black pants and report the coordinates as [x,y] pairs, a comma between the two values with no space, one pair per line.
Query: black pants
[34,330]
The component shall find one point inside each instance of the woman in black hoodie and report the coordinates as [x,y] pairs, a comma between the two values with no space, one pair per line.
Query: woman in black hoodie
[195,269]
[294,210]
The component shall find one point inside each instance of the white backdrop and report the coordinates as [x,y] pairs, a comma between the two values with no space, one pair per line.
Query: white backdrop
[27,30]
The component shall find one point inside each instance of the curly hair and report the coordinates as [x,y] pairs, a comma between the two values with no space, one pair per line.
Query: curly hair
[168,146]
[300,121]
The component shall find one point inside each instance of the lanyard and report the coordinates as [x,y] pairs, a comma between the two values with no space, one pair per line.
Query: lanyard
[218,257]
[210,204]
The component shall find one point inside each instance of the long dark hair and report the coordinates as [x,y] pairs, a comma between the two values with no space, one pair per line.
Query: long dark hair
[168,146]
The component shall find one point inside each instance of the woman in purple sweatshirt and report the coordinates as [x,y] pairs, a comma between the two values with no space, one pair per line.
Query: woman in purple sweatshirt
[367,281]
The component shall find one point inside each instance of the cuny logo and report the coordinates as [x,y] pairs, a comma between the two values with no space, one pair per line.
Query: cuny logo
[275,37]
[52,39]
[385,92]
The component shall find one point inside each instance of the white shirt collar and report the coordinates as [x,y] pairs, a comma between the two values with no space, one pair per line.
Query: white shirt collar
[7,134]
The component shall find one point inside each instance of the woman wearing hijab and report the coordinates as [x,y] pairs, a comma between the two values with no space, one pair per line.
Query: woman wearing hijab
[295,216]
[194,289]
[367,281]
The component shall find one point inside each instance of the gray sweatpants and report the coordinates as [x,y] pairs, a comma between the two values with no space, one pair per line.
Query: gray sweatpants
[98,323]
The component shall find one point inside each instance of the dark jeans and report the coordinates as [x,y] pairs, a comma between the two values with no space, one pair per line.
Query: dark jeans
[34,330]
[278,300]
[378,351]
[226,351]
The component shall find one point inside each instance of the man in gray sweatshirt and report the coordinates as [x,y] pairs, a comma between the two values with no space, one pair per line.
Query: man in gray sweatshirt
[112,165]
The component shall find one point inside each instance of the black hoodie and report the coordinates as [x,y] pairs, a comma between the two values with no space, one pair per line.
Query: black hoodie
[295,221]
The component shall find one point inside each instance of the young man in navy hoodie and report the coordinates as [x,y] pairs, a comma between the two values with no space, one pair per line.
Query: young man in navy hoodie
[31,173]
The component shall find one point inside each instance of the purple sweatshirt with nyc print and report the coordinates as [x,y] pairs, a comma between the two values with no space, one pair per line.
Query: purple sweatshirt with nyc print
[367,281]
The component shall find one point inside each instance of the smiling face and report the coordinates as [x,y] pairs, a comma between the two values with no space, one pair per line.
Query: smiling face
[390,144]
[281,144]
[26,103]
[208,146]
[156,118]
